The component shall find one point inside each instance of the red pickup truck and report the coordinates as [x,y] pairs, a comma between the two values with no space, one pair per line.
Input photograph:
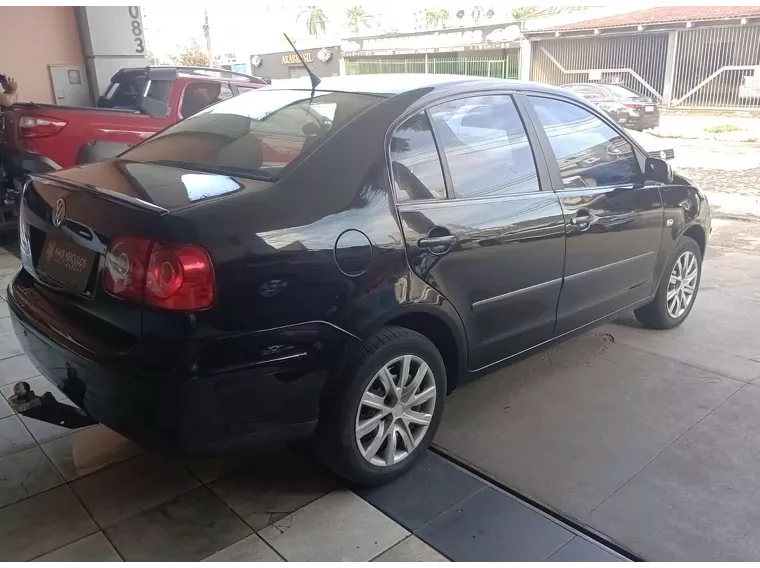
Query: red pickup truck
[37,138]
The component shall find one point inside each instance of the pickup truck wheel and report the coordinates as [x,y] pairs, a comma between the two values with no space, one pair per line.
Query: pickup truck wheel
[677,290]
[386,410]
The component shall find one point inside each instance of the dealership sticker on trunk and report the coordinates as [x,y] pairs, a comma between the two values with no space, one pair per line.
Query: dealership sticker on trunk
[66,262]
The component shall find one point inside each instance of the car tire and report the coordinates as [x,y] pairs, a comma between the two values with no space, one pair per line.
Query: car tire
[363,410]
[667,310]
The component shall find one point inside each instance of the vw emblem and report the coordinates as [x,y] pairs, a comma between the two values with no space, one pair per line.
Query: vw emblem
[59,213]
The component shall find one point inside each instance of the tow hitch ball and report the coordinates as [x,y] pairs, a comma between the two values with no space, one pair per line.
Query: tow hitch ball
[46,408]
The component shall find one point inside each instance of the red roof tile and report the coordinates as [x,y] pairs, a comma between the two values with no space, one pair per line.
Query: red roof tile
[662,15]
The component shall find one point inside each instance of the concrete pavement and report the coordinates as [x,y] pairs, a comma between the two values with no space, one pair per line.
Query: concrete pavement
[652,438]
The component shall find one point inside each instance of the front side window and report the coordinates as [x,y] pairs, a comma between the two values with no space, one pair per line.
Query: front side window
[416,167]
[486,146]
[588,151]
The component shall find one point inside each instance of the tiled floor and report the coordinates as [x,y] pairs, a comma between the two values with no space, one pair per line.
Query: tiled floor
[91,495]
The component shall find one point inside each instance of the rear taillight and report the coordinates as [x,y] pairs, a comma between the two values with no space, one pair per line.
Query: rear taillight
[169,276]
[635,106]
[39,126]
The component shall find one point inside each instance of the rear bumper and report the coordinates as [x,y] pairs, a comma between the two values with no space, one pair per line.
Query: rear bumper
[267,401]
[644,121]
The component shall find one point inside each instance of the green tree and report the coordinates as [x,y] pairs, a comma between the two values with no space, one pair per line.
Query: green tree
[357,17]
[316,20]
[152,59]
[436,17]
[523,12]
[192,56]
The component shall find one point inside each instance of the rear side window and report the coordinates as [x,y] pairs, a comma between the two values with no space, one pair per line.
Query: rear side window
[255,135]
[198,96]
[126,93]
[417,172]
[486,146]
[589,153]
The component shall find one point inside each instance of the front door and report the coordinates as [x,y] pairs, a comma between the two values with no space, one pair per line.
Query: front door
[477,227]
[613,220]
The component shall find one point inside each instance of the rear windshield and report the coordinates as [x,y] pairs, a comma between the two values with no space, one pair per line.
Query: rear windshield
[619,91]
[255,135]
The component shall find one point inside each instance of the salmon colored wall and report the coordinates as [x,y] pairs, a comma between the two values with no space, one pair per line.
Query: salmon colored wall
[31,38]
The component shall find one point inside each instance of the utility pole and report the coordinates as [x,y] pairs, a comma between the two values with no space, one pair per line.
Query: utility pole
[207,35]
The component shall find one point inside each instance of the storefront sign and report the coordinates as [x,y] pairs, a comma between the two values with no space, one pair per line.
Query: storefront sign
[292,58]
[434,42]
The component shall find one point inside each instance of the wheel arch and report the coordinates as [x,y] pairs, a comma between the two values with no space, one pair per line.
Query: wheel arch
[449,341]
[697,232]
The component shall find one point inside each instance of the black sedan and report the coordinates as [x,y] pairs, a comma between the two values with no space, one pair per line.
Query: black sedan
[333,262]
[628,108]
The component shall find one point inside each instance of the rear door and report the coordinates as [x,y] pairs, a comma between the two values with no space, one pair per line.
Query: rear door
[614,220]
[477,226]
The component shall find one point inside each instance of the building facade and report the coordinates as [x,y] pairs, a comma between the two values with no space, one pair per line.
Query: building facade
[65,54]
[489,51]
[324,61]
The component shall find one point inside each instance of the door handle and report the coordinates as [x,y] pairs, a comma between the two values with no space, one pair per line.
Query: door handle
[429,242]
[582,220]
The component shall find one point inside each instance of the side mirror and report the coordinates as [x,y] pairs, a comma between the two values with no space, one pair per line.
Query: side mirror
[153,107]
[658,170]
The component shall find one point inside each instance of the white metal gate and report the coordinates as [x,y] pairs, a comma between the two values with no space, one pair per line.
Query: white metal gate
[638,62]
[717,67]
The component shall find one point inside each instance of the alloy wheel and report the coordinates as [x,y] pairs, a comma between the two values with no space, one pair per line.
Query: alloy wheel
[395,411]
[682,284]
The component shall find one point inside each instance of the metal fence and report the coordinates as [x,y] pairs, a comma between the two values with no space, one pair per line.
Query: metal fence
[507,67]
[637,62]
[713,67]
[717,68]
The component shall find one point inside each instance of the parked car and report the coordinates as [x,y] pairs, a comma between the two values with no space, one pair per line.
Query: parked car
[195,295]
[39,138]
[628,108]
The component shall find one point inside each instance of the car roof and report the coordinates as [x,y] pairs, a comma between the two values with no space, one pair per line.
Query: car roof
[396,83]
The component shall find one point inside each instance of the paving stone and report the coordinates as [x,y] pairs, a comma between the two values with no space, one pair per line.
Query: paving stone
[86,451]
[492,527]
[5,409]
[339,527]
[42,523]
[6,328]
[211,469]
[24,474]
[187,528]
[93,548]
[126,489]
[10,347]
[411,549]
[45,431]
[13,436]
[267,491]
[15,369]
[250,549]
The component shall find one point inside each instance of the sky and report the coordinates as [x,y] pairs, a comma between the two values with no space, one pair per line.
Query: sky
[253,28]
